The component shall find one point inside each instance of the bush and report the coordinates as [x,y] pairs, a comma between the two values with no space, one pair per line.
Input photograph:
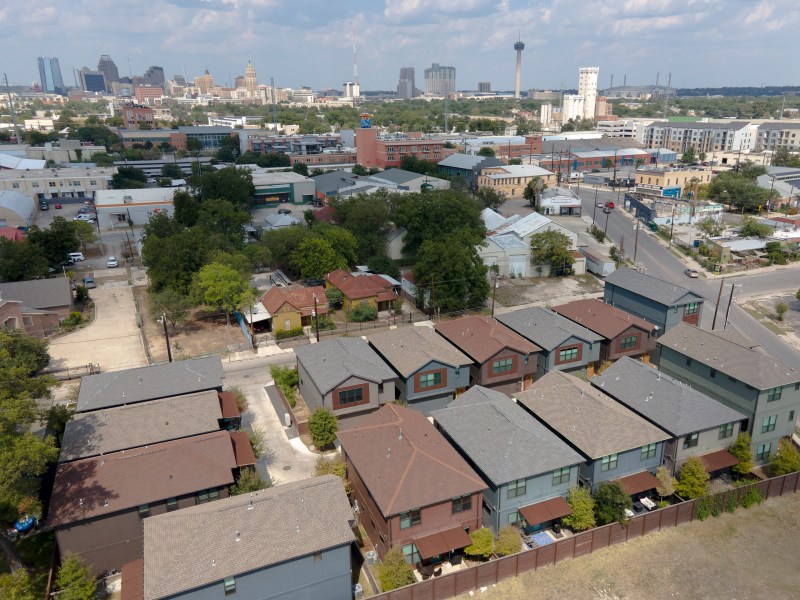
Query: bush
[333,466]
[242,403]
[693,479]
[335,298]
[582,503]
[249,481]
[394,571]
[323,426]
[703,509]
[286,379]
[741,451]
[362,313]
[785,460]
[74,319]
[482,544]
[781,307]
[74,581]
[282,334]
[258,441]
[597,233]
[753,496]
[325,324]
[81,293]
[610,502]
[508,541]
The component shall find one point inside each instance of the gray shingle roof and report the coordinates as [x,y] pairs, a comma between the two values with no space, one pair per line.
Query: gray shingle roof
[123,427]
[203,544]
[546,328]
[722,353]
[398,176]
[39,293]
[651,287]
[503,441]
[332,361]
[594,423]
[670,404]
[149,383]
[410,348]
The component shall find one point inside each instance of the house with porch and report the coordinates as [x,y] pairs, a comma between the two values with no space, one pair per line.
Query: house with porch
[362,288]
[734,371]
[623,334]
[700,426]
[412,489]
[501,359]
[289,541]
[618,444]
[430,370]
[565,345]
[292,307]
[344,375]
[527,475]
[657,301]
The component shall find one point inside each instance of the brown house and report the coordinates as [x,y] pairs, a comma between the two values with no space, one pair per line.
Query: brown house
[501,357]
[371,289]
[37,306]
[412,489]
[623,333]
[98,504]
[292,307]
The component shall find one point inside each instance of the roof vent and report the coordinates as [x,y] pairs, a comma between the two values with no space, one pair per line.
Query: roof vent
[238,536]
[400,436]
[213,563]
[388,453]
[298,529]
[80,501]
[105,502]
[250,503]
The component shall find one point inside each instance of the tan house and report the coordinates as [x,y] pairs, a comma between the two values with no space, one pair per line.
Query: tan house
[512,179]
[292,307]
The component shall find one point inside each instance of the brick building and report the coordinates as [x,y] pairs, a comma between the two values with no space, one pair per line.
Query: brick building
[137,117]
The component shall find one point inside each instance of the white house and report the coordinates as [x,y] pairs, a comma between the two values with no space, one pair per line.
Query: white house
[116,207]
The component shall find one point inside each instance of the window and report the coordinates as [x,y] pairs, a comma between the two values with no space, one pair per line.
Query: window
[410,554]
[568,354]
[712,373]
[36,185]
[144,510]
[410,518]
[430,379]
[628,343]
[725,431]
[172,504]
[380,387]
[504,365]
[690,441]
[561,476]
[462,504]
[15,186]
[607,463]
[230,585]
[763,450]
[791,416]
[774,394]
[692,308]
[648,451]
[513,518]
[353,396]
[517,488]
[768,424]
[204,496]
[92,182]
[52,183]
[688,362]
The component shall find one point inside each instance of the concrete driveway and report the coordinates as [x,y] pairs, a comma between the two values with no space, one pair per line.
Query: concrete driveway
[112,341]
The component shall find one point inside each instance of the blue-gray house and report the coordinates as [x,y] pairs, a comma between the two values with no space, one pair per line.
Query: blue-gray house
[286,542]
[618,444]
[527,467]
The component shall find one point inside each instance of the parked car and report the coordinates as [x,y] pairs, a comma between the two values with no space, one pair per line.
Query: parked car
[76,256]
[89,283]
[692,273]
[606,210]
[600,205]
[58,205]
[112,263]
[284,211]
[89,218]
[609,204]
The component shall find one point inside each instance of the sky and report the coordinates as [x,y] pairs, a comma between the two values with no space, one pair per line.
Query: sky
[702,43]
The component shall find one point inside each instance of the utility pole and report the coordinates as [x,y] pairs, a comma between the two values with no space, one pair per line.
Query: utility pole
[636,240]
[730,301]
[11,109]
[672,222]
[316,317]
[433,297]
[622,245]
[252,330]
[607,214]
[716,308]
[594,212]
[166,335]
[494,292]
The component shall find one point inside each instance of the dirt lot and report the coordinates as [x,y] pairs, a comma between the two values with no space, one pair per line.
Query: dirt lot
[763,310]
[546,291]
[749,554]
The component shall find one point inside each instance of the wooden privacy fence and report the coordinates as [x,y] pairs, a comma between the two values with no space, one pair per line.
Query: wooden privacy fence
[486,574]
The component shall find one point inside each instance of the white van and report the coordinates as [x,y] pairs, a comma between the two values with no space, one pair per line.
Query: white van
[76,256]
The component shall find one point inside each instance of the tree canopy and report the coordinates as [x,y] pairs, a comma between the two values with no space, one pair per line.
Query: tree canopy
[234,184]
[610,502]
[552,248]
[222,287]
[692,479]
[315,257]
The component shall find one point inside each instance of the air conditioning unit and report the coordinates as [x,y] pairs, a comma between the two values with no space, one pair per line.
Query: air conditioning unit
[371,557]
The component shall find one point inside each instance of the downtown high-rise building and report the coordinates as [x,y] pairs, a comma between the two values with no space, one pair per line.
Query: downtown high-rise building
[50,75]
[406,85]
[440,80]
[587,87]
[92,81]
[154,76]
[109,69]
[250,80]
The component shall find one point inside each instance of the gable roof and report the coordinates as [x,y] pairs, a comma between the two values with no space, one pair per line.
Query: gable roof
[651,287]
[728,355]
[526,225]
[39,293]
[332,361]
[546,328]
[404,462]
[518,171]
[202,544]
[149,383]
[662,400]
[281,220]
[11,233]
[483,337]
[355,287]
[103,485]
[492,219]
[408,349]
[123,427]
[399,176]
[594,423]
[604,319]
[501,438]
[298,297]
[465,161]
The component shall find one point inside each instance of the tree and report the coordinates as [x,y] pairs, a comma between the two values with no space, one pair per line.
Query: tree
[341,240]
[666,482]
[172,170]
[797,294]
[249,481]
[394,571]
[74,580]
[490,198]
[785,460]
[234,184]
[55,242]
[228,149]
[220,216]
[752,228]
[366,217]
[85,233]
[610,502]
[780,310]
[359,170]
[194,145]
[186,208]
[709,227]
[582,503]
[383,265]
[17,585]
[692,479]
[740,449]
[315,257]
[128,178]
[781,157]
[333,466]
[451,270]
[222,287]
[552,248]
[323,426]
[687,157]
[172,303]
[508,541]
[482,544]
[172,262]
[301,168]
[335,298]
[533,191]
[283,243]
[486,151]
[20,261]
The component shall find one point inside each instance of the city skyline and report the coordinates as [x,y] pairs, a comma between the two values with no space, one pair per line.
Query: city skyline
[637,38]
